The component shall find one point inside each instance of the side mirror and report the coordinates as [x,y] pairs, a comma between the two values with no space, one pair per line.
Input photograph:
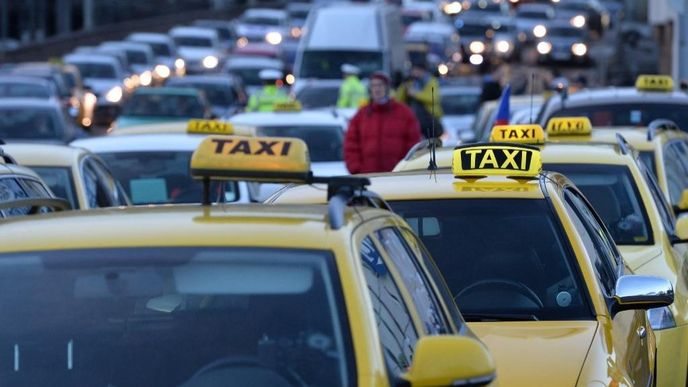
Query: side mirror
[635,292]
[681,230]
[682,205]
[450,361]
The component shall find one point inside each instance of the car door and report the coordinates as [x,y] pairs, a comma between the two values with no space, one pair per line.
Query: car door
[631,353]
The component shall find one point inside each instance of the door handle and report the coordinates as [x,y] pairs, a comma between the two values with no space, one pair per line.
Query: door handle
[641,331]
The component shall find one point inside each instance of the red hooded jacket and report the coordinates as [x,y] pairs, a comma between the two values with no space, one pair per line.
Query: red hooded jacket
[380,135]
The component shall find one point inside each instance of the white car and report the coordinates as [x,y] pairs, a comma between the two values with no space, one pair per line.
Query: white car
[165,52]
[154,169]
[199,47]
[258,25]
[323,132]
[140,56]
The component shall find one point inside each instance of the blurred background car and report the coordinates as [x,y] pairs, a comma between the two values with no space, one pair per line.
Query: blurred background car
[163,104]
[199,47]
[35,120]
[225,93]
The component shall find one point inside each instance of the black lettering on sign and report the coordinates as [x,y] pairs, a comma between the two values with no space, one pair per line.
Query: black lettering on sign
[242,146]
[220,144]
[266,147]
[285,148]
[515,134]
[509,159]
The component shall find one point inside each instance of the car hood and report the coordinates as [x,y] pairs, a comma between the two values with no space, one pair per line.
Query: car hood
[101,86]
[537,353]
[638,257]
[195,53]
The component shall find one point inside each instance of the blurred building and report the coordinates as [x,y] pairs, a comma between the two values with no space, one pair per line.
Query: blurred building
[669,18]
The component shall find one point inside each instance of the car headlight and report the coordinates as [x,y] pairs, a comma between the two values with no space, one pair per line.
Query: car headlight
[539,31]
[162,71]
[477,47]
[579,49]
[442,69]
[210,62]
[578,21]
[146,78]
[452,8]
[179,63]
[114,95]
[242,42]
[476,59]
[661,318]
[544,48]
[273,38]
[503,46]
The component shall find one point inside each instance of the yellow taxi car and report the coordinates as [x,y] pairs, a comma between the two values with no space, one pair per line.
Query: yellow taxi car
[74,174]
[22,192]
[532,268]
[323,295]
[629,202]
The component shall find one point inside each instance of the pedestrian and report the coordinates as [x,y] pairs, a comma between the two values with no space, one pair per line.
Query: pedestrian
[352,92]
[381,132]
[265,99]
[421,92]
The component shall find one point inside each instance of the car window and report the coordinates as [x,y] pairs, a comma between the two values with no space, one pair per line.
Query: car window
[325,142]
[665,211]
[397,333]
[415,281]
[601,258]
[114,191]
[98,194]
[10,189]
[676,169]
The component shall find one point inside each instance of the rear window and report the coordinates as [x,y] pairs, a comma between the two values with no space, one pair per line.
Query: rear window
[318,96]
[25,90]
[327,64]
[628,114]
[190,316]
[60,181]
[29,124]
[191,41]
[325,143]
[96,70]
[164,105]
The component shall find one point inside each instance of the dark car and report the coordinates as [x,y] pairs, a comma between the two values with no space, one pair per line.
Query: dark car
[225,93]
[35,120]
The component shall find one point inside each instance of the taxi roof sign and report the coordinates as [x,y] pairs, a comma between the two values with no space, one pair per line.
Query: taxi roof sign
[287,106]
[196,126]
[654,83]
[268,159]
[496,159]
[568,126]
[522,134]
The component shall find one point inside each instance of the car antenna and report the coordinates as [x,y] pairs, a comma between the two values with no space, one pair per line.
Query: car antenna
[532,89]
[432,166]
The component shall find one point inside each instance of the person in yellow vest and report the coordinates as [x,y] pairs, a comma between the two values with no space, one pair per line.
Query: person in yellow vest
[421,92]
[265,99]
[352,92]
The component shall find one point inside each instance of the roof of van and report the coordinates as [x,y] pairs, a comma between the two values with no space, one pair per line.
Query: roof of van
[345,26]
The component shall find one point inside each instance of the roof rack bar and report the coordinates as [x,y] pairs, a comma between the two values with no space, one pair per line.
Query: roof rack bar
[36,204]
[623,144]
[660,124]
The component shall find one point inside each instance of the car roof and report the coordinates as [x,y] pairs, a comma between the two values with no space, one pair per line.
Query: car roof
[91,58]
[266,12]
[5,78]
[253,61]
[302,118]
[209,79]
[164,90]
[616,94]
[128,45]
[421,27]
[44,154]
[150,36]
[141,143]
[29,102]
[288,226]
[196,31]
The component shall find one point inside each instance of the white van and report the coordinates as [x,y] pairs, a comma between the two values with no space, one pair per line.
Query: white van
[367,35]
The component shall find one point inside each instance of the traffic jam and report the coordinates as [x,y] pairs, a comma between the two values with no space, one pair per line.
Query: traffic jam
[331,193]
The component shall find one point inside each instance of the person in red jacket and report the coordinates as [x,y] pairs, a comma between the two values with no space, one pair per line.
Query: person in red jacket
[381,132]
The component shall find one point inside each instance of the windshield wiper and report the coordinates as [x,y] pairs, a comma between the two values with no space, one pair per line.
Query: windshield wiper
[472,317]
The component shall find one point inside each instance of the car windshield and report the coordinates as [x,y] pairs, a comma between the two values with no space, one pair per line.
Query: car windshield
[409,18]
[60,182]
[29,124]
[327,64]
[96,70]
[25,90]
[460,104]
[192,41]
[318,96]
[260,21]
[473,29]
[219,94]
[628,114]
[248,76]
[325,143]
[160,49]
[503,259]
[613,193]
[533,15]
[183,316]
[648,158]
[164,105]
[151,177]
[566,32]
[136,57]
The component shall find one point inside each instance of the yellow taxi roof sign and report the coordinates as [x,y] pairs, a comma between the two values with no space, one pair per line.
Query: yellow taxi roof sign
[287,106]
[496,159]
[567,126]
[654,83]
[522,134]
[267,159]
[197,126]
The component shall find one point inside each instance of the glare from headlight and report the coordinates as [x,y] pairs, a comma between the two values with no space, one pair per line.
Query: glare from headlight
[539,31]
[578,21]
[503,46]
[162,71]
[210,62]
[477,47]
[442,69]
[579,49]
[661,318]
[290,78]
[452,8]
[295,32]
[114,95]
[273,38]
[476,59]
[146,78]
[544,48]
[242,42]
[90,99]
[179,64]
